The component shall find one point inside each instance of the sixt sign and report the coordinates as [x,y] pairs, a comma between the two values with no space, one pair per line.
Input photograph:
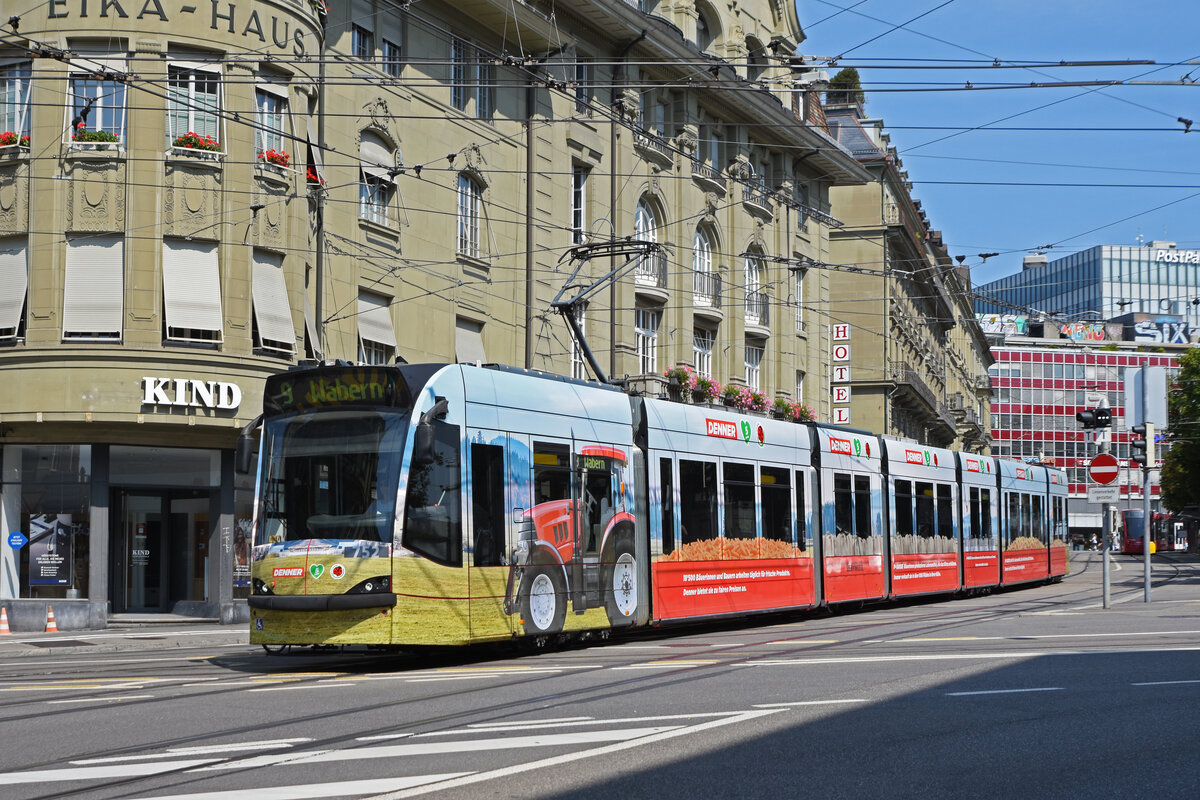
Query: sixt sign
[1162,331]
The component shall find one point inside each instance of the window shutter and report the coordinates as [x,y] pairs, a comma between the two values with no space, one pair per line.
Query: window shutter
[272,311]
[14,274]
[375,320]
[93,296]
[191,290]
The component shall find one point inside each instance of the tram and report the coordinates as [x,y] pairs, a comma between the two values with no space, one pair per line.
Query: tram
[449,504]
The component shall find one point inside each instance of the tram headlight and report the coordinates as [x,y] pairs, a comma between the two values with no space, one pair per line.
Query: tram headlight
[380,583]
[261,588]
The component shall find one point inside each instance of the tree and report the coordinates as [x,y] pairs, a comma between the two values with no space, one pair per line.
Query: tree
[845,88]
[1181,465]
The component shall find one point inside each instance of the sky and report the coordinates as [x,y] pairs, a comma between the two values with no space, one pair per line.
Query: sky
[1123,187]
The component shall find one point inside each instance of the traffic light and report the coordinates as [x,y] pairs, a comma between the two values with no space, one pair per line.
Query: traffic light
[1095,418]
[1142,449]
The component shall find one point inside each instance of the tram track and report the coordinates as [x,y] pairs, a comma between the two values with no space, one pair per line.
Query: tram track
[925,622]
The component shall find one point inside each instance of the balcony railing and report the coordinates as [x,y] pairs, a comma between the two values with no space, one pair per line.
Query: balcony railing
[653,144]
[706,289]
[758,308]
[758,198]
[651,270]
[705,171]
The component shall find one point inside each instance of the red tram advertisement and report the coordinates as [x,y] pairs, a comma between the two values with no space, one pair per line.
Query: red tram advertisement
[448,504]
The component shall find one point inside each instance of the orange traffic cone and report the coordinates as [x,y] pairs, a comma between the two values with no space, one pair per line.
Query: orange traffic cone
[4,621]
[51,625]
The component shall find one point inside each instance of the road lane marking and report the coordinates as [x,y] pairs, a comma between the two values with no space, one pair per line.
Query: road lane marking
[299,687]
[438,748]
[236,747]
[511,722]
[102,699]
[555,761]
[1006,691]
[315,790]
[1162,683]
[102,772]
[533,725]
[812,703]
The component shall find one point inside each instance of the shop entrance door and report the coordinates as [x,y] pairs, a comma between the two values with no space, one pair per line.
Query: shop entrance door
[159,549]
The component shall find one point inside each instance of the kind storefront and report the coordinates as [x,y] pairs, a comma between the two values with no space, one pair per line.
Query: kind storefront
[145,522]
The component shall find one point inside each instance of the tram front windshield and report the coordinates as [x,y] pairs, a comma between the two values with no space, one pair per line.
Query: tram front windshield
[331,474]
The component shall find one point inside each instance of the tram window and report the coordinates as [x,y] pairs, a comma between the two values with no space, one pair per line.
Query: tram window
[924,498]
[862,506]
[945,511]
[843,504]
[1038,523]
[487,504]
[433,506]
[904,511]
[801,512]
[1014,516]
[667,500]
[697,501]
[776,504]
[1026,516]
[551,472]
[739,501]
[985,516]
[973,535]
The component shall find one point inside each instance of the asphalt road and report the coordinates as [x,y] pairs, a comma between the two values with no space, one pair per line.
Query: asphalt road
[1037,692]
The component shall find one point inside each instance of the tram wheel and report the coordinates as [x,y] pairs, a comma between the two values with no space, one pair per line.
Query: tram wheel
[276,649]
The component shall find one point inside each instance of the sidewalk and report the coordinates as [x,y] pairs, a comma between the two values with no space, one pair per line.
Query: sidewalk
[128,633]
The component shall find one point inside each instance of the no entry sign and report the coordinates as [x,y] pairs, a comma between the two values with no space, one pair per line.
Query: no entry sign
[1104,469]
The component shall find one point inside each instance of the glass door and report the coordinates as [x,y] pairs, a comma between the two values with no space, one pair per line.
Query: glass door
[138,547]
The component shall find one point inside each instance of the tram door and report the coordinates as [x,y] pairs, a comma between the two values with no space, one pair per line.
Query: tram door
[490,540]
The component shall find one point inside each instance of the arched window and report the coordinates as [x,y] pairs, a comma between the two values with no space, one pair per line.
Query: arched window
[651,270]
[376,160]
[645,223]
[756,301]
[704,289]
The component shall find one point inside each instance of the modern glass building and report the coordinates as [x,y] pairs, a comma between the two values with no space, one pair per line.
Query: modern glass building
[1103,282]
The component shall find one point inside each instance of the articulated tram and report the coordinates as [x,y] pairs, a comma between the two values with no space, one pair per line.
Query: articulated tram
[450,504]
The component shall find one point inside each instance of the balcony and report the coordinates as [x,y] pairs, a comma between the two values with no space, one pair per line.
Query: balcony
[758,309]
[653,146]
[651,271]
[757,200]
[707,176]
[706,290]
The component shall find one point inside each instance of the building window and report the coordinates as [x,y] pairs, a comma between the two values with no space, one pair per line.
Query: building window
[459,70]
[799,386]
[646,336]
[798,293]
[94,289]
[468,342]
[193,104]
[362,42]
[98,113]
[191,292]
[702,350]
[578,363]
[756,307]
[392,63]
[14,273]
[470,80]
[376,335]
[14,101]
[376,183]
[271,102]
[754,356]
[703,282]
[470,202]
[583,87]
[579,221]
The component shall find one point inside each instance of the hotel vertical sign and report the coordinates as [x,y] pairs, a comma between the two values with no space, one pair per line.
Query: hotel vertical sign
[839,334]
